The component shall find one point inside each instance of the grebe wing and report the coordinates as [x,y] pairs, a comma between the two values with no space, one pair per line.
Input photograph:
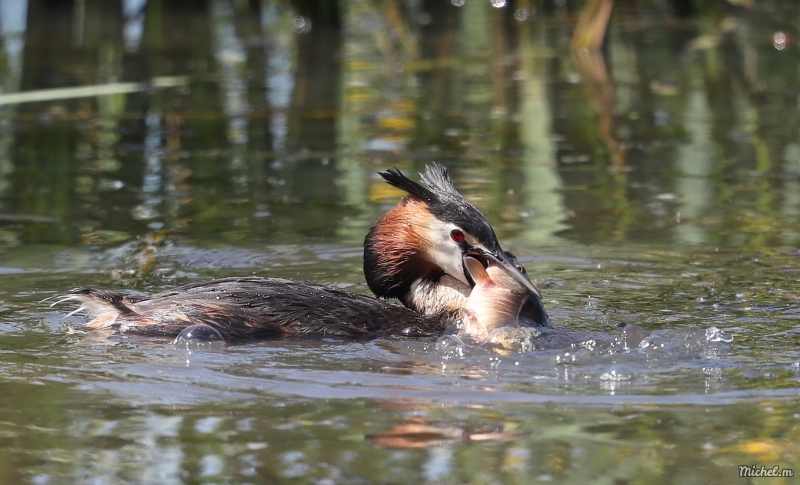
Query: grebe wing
[248,308]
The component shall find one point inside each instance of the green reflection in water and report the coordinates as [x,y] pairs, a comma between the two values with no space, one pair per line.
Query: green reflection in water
[654,185]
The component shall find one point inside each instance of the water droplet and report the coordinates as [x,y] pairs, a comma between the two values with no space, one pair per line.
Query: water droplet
[779,41]
[618,373]
[450,346]
[302,25]
[522,14]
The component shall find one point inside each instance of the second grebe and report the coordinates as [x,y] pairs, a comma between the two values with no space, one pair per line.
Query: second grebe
[417,252]
[497,300]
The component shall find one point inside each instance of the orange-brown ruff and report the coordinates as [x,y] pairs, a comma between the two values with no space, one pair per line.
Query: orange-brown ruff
[402,237]
[402,233]
[415,253]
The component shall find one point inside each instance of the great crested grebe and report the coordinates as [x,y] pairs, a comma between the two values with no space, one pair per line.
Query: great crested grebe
[497,300]
[424,252]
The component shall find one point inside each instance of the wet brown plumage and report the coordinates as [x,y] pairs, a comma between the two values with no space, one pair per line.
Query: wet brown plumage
[245,308]
[414,253]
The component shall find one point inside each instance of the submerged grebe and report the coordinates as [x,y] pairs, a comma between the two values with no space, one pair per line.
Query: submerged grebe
[424,252]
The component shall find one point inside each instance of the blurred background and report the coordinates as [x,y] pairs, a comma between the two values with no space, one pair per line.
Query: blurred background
[265,121]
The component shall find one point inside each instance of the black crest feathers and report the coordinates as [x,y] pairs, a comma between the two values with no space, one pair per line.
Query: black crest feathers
[436,189]
[434,179]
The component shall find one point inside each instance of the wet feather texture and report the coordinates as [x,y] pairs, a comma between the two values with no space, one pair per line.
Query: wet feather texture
[241,308]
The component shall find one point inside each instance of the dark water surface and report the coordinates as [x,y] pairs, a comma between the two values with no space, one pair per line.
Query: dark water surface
[652,192]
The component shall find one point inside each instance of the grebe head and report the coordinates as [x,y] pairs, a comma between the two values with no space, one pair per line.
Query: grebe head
[416,251]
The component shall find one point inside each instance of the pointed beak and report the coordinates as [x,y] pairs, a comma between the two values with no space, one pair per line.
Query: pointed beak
[533,308]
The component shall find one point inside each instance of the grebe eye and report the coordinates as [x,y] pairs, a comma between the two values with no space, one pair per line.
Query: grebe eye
[457,236]
[522,269]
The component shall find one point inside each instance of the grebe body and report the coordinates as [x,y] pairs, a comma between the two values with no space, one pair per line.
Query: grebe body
[424,252]
[246,308]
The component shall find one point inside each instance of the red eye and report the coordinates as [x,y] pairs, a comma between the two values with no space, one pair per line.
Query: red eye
[457,236]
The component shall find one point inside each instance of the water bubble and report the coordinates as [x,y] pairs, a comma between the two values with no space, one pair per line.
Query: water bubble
[448,341]
[522,14]
[632,337]
[514,339]
[411,332]
[565,358]
[199,334]
[713,334]
[779,40]
[450,346]
[301,25]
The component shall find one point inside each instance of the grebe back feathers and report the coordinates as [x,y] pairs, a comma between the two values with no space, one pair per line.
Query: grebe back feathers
[245,308]
[415,253]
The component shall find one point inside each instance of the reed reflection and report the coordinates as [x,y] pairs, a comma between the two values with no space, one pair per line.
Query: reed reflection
[291,106]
